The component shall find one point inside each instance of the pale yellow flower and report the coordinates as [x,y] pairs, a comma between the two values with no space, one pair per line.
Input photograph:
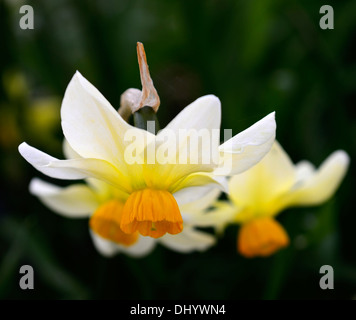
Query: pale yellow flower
[274,184]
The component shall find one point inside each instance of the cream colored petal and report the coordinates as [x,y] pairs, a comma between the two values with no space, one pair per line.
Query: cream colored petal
[98,169]
[75,201]
[222,214]
[74,169]
[189,143]
[68,151]
[188,240]
[181,153]
[320,186]
[93,128]
[169,176]
[205,112]
[41,161]
[105,247]
[247,148]
[304,170]
[101,188]
[197,180]
[259,186]
[141,248]
[195,199]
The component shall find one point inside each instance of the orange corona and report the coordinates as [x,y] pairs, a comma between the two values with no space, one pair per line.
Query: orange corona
[106,223]
[261,237]
[151,212]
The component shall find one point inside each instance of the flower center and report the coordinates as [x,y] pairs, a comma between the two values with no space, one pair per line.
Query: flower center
[151,213]
[106,223]
[261,237]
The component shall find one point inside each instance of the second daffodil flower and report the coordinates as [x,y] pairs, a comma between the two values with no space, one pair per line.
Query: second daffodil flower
[111,150]
[274,184]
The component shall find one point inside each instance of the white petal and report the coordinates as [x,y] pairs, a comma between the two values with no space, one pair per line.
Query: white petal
[74,169]
[191,141]
[194,199]
[320,186]
[188,240]
[222,214]
[141,248]
[75,201]
[68,151]
[247,148]
[101,188]
[304,170]
[203,113]
[93,128]
[41,161]
[105,247]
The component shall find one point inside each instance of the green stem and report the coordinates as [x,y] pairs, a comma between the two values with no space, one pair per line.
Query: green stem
[279,271]
[146,119]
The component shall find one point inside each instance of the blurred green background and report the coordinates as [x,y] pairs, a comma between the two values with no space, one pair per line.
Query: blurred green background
[257,56]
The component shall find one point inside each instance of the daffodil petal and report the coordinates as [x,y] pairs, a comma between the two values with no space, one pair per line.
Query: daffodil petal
[188,240]
[74,169]
[268,179]
[203,113]
[141,248]
[222,214]
[320,186]
[198,179]
[194,199]
[101,188]
[68,151]
[304,170]
[196,129]
[173,174]
[41,161]
[103,246]
[247,148]
[189,143]
[107,248]
[93,128]
[75,201]
[94,168]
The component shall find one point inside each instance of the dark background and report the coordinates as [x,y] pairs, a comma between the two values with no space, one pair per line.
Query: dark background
[257,56]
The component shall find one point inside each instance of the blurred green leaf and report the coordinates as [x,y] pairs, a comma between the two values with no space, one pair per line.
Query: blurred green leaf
[29,245]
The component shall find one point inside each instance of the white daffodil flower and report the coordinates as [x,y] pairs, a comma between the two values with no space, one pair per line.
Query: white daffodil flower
[274,184]
[111,150]
[87,200]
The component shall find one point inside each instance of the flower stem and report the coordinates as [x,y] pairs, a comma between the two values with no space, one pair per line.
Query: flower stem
[145,118]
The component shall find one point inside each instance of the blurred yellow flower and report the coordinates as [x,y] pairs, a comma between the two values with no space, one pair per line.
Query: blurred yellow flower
[35,116]
[274,184]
